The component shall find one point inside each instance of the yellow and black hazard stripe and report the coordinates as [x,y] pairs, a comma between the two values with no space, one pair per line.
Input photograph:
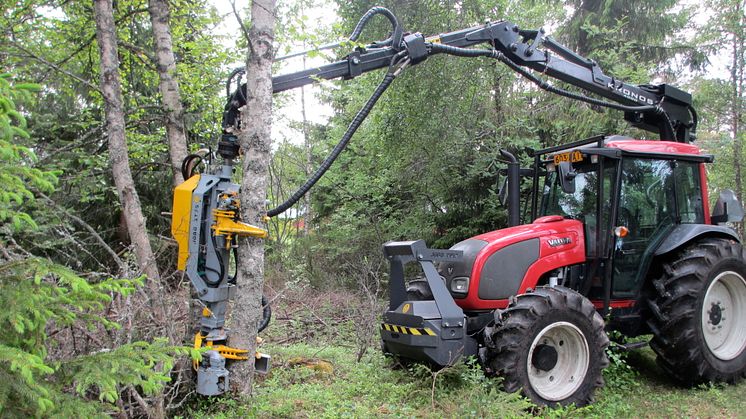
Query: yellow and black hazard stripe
[407,330]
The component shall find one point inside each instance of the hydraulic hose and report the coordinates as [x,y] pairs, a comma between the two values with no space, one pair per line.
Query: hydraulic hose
[468,52]
[461,52]
[187,169]
[354,125]
[266,314]
[238,98]
[266,309]
[572,95]
[693,131]
[396,30]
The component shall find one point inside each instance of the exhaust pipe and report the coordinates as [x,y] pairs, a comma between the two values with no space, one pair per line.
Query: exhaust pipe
[514,188]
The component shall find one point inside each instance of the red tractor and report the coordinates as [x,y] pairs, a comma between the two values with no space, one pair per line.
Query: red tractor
[621,231]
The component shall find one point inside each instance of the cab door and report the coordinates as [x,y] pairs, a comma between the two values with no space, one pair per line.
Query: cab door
[646,213]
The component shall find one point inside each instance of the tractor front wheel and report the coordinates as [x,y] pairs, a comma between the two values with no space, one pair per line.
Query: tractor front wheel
[551,344]
[699,313]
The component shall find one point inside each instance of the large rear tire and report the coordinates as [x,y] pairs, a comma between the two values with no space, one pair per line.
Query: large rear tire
[550,344]
[699,313]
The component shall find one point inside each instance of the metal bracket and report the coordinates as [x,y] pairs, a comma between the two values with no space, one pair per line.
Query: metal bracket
[401,253]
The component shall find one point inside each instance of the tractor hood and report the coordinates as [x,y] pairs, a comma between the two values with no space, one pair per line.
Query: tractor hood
[502,263]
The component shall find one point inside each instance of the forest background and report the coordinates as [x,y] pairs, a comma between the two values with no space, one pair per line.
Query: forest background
[424,165]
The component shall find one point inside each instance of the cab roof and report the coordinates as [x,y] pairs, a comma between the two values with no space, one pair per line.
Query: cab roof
[617,145]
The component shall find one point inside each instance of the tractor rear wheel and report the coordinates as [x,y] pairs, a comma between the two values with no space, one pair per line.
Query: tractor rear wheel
[551,344]
[699,313]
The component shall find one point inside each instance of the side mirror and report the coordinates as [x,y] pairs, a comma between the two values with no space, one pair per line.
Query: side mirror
[502,191]
[727,208]
[566,176]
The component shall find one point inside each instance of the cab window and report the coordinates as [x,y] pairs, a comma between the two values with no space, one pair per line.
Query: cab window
[689,193]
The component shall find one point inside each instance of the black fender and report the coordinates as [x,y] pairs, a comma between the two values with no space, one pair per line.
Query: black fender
[685,233]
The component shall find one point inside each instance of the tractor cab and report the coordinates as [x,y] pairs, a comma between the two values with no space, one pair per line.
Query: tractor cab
[630,195]
[620,228]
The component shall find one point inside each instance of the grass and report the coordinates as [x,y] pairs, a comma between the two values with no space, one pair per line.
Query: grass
[641,389]
[316,375]
[370,388]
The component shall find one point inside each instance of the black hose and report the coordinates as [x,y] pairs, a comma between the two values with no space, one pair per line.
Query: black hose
[695,121]
[462,52]
[266,308]
[572,95]
[266,314]
[396,30]
[185,172]
[238,98]
[236,71]
[354,125]
[467,52]
[221,263]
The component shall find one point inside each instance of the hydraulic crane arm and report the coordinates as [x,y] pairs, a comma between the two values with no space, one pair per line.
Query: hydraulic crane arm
[206,220]
[663,109]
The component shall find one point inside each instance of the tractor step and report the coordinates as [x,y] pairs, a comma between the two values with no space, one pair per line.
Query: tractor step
[632,346]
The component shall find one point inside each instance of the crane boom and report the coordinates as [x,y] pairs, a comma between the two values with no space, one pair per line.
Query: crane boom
[661,108]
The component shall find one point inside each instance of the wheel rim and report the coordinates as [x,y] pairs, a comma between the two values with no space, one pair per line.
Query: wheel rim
[724,316]
[572,358]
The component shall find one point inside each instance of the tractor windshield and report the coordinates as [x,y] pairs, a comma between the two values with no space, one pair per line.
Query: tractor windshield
[578,204]
[582,204]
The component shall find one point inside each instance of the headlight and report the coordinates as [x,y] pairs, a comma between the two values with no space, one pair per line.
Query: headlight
[460,285]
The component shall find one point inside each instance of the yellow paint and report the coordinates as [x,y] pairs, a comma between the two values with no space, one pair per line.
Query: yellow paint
[180,215]
[406,307]
[225,351]
[569,156]
[206,312]
[231,353]
[226,224]
[407,330]
[197,344]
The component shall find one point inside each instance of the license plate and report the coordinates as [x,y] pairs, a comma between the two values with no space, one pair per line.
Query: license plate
[570,156]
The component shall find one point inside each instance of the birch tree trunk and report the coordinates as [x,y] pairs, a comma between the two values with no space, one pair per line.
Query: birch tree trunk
[118,157]
[169,85]
[255,141]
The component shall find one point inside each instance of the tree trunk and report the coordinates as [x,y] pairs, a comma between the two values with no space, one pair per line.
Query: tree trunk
[169,86]
[255,141]
[737,67]
[118,157]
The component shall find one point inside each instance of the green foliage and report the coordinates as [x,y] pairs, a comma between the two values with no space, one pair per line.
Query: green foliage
[17,174]
[54,45]
[647,31]
[378,387]
[425,163]
[370,388]
[37,294]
